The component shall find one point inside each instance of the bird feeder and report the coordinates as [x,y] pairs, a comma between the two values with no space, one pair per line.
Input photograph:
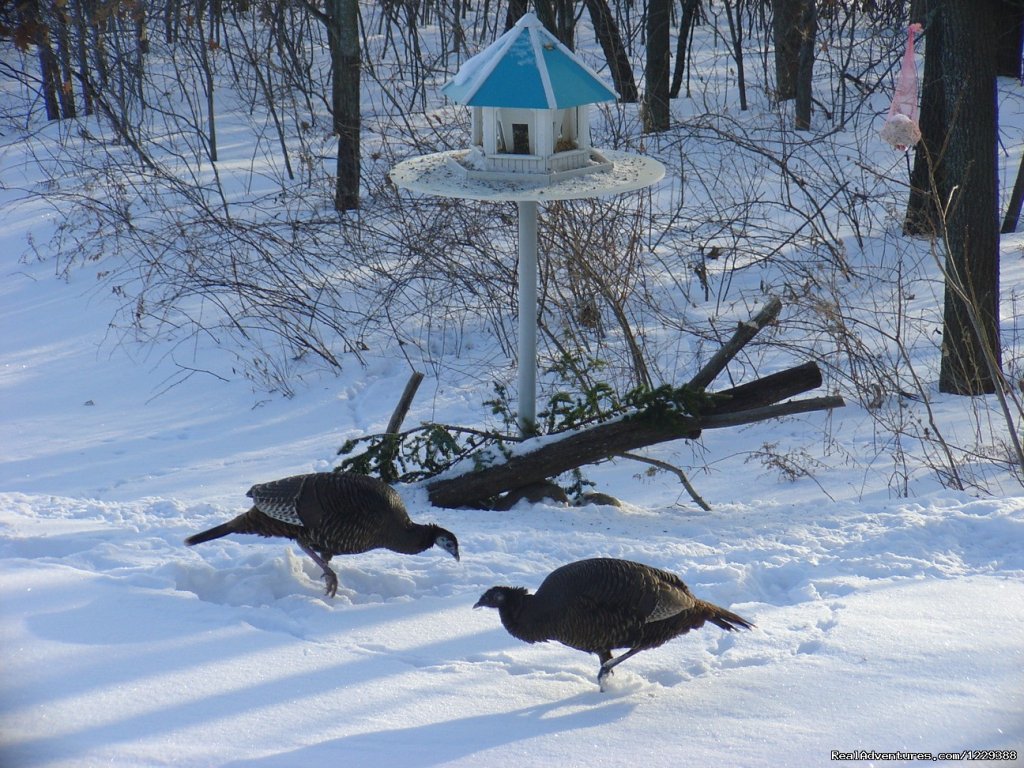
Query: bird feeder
[529,98]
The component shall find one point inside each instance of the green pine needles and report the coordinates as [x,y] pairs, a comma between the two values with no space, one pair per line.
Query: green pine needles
[431,449]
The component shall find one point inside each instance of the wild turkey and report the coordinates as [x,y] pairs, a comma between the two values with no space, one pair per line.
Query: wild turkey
[333,513]
[600,604]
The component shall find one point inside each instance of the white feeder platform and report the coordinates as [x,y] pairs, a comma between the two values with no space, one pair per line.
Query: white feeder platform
[445,174]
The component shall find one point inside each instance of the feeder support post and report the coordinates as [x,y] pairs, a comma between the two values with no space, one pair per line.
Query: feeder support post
[527,414]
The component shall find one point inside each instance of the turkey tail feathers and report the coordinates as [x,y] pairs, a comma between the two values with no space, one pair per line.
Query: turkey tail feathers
[213,533]
[727,620]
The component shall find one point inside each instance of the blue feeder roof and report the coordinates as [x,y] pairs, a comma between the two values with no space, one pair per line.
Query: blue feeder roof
[527,67]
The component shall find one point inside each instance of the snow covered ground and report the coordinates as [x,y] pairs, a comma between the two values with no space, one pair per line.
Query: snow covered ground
[884,624]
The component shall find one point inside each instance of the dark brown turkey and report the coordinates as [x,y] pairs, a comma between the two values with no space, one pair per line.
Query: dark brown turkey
[600,604]
[333,513]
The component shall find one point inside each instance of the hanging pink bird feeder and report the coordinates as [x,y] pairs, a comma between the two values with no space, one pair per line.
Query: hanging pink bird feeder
[901,129]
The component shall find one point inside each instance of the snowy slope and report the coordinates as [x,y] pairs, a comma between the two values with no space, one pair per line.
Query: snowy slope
[895,627]
[881,624]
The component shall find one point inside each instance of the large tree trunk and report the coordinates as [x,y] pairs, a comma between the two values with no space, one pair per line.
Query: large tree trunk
[342,21]
[789,34]
[970,341]
[558,17]
[565,20]
[656,75]
[805,65]
[1010,38]
[546,15]
[514,12]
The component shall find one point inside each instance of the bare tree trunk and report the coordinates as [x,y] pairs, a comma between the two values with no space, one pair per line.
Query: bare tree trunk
[607,33]
[565,20]
[970,339]
[205,41]
[141,16]
[65,93]
[33,19]
[734,17]
[342,22]
[686,24]
[656,76]
[954,186]
[786,16]
[1009,38]
[516,9]
[546,15]
[805,68]
[172,21]
[558,18]
[81,30]
[138,14]
[1012,217]
[100,56]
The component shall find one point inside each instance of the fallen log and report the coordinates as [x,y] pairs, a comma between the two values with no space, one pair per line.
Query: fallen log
[539,458]
[493,466]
